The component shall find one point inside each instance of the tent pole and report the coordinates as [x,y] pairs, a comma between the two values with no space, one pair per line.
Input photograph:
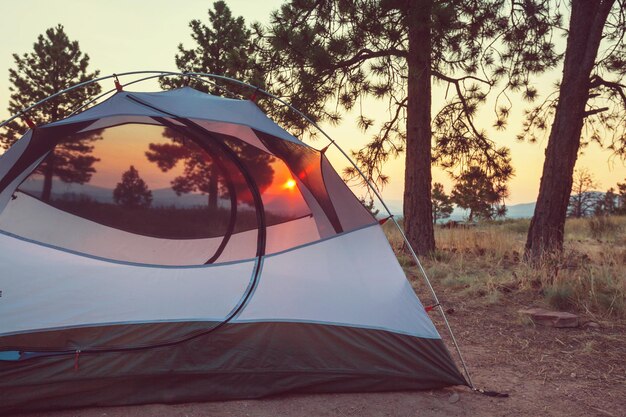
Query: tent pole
[197,75]
[74,87]
[113,90]
[308,119]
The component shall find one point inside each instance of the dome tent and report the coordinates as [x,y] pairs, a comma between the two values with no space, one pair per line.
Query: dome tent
[178,246]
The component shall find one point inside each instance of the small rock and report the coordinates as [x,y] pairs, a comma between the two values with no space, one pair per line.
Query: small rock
[454,398]
[591,325]
[573,375]
[551,318]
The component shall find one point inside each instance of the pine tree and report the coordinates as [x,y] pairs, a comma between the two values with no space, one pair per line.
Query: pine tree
[609,202]
[481,194]
[606,205]
[223,47]
[201,174]
[621,198]
[132,191]
[54,64]
[339,52]
[442,203]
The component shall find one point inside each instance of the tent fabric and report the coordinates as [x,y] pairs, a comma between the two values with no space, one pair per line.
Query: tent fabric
[177,246]
[239,361]
[106,293]
[30,218]
[192,103]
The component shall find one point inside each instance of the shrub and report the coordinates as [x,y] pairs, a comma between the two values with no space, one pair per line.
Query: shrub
[601,227]
[560,297]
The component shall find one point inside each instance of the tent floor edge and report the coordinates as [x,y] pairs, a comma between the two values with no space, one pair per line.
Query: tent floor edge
[176,389]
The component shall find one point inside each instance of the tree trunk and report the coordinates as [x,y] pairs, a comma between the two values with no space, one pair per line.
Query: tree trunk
[418,216]
[49,169]
[213,189]
[545,234]
[48,173]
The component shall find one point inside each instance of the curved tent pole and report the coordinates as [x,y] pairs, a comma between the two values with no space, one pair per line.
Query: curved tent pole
[158,74]
[195,75]
[113,90]
[106,77]
[368,182]
[58,93]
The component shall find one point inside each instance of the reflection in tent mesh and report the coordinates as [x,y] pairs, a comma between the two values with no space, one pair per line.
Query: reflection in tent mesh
[151,183]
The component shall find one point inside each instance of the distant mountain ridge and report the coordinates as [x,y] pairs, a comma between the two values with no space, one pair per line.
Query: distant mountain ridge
[515,211]
[160,197]
[164,197]
[168,197]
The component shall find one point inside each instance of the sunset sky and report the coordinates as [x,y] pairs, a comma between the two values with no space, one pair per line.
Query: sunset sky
[116,152]
[124,36]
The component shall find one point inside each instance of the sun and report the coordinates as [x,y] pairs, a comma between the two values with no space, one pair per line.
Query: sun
[290,184]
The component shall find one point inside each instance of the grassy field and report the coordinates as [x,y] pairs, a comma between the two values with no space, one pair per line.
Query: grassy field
[486,261]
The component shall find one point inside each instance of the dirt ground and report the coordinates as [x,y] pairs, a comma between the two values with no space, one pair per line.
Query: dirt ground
[546,372]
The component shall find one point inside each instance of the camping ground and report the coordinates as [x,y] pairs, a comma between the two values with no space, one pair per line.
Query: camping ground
[482,282]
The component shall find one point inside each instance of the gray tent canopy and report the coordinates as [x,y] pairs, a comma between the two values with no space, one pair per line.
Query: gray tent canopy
[178,246]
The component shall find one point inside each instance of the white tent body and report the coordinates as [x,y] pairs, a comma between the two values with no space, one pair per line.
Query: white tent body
[108,284]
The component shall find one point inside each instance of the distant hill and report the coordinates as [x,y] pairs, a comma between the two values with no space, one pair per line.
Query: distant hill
[515,211]
[162,197]
[520,211]
[278,204]
[274,203]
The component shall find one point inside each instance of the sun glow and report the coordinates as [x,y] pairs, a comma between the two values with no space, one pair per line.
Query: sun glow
[290,184]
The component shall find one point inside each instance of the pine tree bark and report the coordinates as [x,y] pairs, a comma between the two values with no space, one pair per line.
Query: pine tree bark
[545,234]
[418,216]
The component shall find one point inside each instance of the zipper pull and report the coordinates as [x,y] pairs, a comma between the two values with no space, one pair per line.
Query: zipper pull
[76,356]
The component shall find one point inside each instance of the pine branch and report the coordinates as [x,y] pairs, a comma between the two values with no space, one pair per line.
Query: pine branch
[595,111]
[597,81]
[466,109]
[366,54]
[457,81]
[389,125]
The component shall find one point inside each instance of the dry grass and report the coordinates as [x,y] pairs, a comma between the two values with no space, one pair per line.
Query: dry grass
[487,261]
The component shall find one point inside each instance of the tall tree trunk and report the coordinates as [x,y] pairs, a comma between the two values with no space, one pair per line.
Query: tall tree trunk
[418,216]
[213,189]
[545,234]
[48,173]
[49,169]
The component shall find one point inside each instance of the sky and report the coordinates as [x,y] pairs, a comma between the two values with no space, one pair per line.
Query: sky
[122,36]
